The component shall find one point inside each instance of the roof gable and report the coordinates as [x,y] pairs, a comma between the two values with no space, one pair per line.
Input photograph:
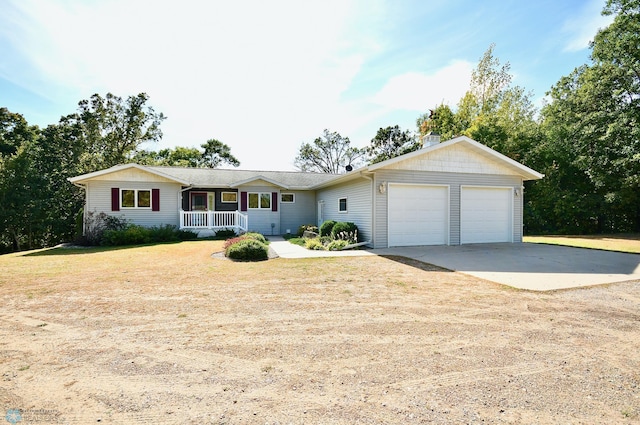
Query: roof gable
[258,180]
[127,172]
[459,155]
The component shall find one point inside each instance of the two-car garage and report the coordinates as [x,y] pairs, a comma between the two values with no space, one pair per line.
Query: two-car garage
[420,214]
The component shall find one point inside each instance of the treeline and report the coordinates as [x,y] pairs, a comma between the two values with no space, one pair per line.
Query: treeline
[586,140]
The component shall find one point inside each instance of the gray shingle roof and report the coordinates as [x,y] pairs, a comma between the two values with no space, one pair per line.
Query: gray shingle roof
[207,177]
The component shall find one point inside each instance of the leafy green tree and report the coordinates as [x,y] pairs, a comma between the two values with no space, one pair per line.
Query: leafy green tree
[17,181]
[114,128]
[329,153]
[216,153]
[390,142]
[174,157]
[441,120]
[594,115]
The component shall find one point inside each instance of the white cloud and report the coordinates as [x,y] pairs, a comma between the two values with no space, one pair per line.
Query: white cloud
[259,76]
[416,91]
[582,27]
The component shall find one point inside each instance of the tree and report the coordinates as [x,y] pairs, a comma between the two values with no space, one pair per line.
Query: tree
[329,153]
[17,181]
[441,120]
[216,152]
[390,142]
[594,116]
[172,157]
[114,128]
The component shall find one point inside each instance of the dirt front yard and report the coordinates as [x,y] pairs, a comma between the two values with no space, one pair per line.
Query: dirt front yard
[167,334]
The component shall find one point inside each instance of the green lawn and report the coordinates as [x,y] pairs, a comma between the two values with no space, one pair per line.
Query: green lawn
[628,242]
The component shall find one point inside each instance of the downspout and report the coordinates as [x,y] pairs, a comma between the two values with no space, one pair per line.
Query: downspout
[373,209]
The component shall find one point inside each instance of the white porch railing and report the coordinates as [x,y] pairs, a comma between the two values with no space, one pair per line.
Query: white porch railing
[214,220]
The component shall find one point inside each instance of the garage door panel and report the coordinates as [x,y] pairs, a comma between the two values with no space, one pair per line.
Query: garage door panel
[485,215]
[418,215]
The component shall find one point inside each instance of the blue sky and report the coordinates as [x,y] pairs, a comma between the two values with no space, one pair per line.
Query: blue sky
[265,76]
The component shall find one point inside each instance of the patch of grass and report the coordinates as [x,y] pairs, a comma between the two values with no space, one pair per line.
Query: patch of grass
[629,242]
[23,368]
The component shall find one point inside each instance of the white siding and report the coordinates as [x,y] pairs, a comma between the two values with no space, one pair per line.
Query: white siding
[454,181]
[260,220]
[99,200]
[358,194]
[302,211]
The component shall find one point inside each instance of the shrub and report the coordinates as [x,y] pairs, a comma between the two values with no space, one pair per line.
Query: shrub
[97,223]
[307,228]
[132,235]
[325,228]
[163,233]
[297,241]
[255,236]
[187,235]
[314,244]
[347,231]
[247,249]
[225,233]
[337,245]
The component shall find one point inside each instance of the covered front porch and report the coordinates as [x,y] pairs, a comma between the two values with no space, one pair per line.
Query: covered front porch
[214,220]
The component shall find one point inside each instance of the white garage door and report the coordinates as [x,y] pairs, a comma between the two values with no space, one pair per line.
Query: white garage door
[418,215]
[486,215]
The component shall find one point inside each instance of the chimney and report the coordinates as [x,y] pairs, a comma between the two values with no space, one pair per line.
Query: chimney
[430,139]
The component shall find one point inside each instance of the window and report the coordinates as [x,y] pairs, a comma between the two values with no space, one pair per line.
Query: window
[135,198]
[198,201]
[342,205]
[287,198]
[229,197]
[260,200]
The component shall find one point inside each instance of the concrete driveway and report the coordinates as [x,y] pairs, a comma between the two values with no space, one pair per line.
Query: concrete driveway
[530,266]
[536,267]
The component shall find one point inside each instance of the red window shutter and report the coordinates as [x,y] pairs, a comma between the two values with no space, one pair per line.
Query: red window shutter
[243,201]
[115,199]
[274,201]
[155,199]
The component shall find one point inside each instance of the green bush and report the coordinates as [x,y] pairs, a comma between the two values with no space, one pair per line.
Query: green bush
[187,235]
[337,245]
[225,233]
[132,235]
[255,236]
[314,244]
[247,249]
[307,228]
[163,233]
[325,228]
[297,241]
[347,231]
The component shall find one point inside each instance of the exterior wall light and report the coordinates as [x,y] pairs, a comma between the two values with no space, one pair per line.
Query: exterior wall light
[382,188]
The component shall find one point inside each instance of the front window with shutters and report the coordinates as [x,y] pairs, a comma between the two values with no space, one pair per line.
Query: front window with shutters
[135,198]
[259,200]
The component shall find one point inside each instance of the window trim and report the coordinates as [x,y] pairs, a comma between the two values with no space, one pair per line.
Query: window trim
[293,198]
[135,199]
[266,195]
[346,209]
[228,193]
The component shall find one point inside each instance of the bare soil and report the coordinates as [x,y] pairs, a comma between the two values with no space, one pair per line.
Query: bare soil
[171,335]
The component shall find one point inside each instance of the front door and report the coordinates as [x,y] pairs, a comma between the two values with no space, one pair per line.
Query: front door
[198,201]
